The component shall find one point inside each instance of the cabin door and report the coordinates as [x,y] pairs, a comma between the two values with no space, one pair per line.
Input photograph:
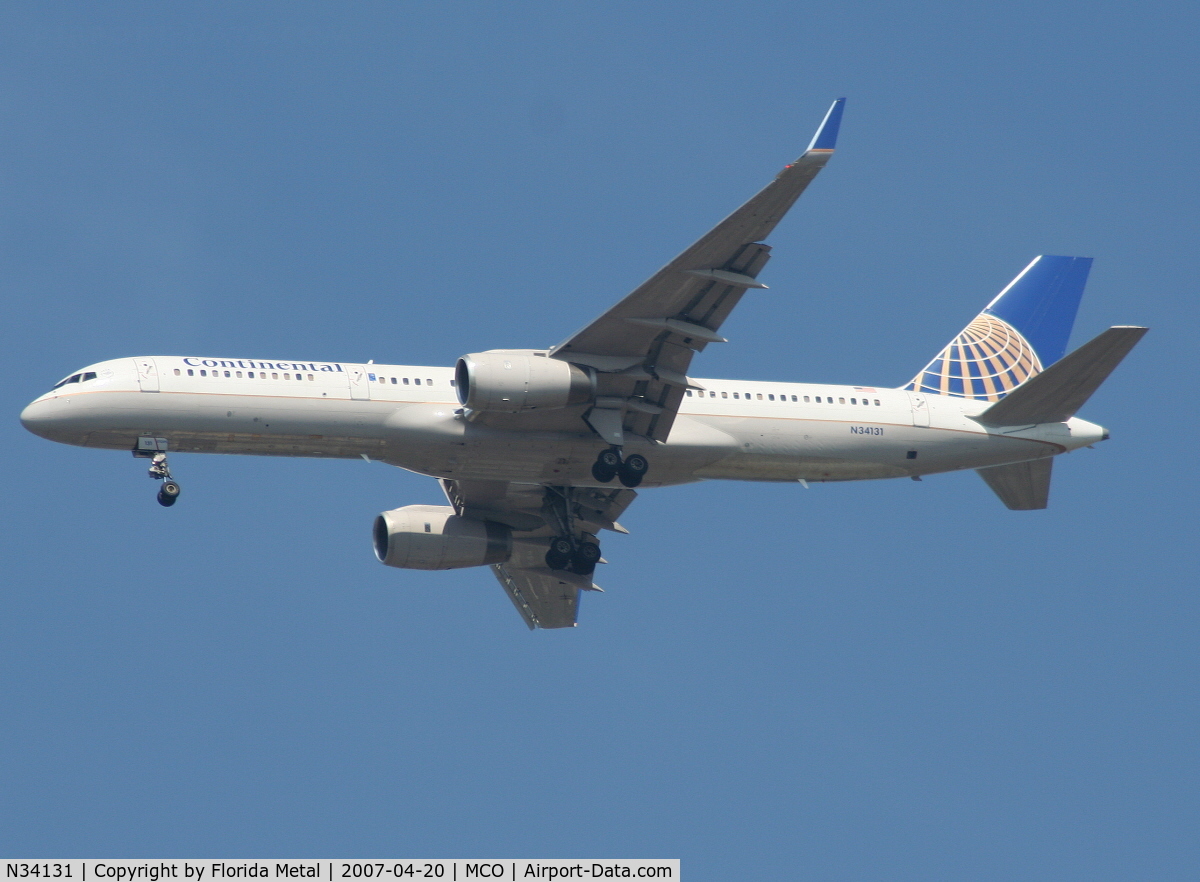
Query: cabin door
[920,408]
[147,372]
[360,382]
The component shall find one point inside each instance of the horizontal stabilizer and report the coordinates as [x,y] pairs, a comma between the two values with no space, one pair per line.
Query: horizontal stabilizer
[1022,486]
[1054,395]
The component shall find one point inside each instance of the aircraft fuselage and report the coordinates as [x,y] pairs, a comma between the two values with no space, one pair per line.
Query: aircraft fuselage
[409,416]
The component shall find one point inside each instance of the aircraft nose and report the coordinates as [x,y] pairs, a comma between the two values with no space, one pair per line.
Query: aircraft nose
[32,415]
[42,416]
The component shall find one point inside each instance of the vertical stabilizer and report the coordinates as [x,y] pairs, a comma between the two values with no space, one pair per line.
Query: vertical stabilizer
[1022,331]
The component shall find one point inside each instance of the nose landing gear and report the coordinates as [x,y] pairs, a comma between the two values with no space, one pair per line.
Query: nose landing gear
[609,465]
[168,493]
[155,449]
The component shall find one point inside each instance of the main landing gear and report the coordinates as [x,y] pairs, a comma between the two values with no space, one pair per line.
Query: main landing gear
[573,556]
[609,465]
[574,549]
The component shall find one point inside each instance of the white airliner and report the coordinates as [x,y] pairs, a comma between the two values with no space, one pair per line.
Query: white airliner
[537,450]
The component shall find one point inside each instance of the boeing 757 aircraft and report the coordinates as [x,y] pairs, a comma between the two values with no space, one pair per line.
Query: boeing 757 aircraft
[538,451]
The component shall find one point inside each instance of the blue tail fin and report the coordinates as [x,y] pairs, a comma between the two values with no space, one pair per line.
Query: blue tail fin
[1024,330]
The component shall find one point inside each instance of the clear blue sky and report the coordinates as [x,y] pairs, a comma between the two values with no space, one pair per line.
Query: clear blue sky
[885,680]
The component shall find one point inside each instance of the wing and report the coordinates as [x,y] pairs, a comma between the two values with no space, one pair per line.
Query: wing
[545,598]
[642,347]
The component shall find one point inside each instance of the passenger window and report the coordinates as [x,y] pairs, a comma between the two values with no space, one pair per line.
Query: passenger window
[393,381]
[274,376]
[735,395]
[406,381]
[854,401]
[794,398]
[310,378]
[712,394]
[770,398]
[417,382]
[806,399]
[877,402]
[191,373]
[177,373]
[227,373]
[841,401]
[724,394]
[429,382]
[204,373]
[238,373]
[689,393]
[760,396]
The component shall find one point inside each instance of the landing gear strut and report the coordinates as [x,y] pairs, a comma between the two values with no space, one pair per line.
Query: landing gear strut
[609,465]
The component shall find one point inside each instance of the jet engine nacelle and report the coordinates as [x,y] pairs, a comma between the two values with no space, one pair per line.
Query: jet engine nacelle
[433,537]
[515,380]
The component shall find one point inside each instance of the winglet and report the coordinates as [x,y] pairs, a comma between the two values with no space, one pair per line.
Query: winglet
[826,136]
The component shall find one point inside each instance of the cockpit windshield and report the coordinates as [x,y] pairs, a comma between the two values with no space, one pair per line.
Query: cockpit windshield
[75,378]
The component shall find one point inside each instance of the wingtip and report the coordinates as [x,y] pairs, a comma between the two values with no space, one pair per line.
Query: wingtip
[826,136]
